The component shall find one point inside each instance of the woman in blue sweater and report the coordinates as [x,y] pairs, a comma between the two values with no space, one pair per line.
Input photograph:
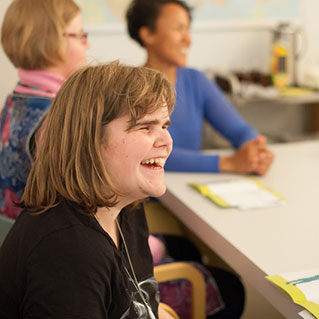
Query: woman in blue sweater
[162,28]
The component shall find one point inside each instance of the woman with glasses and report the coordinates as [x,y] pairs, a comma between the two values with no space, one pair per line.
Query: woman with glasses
[45,41]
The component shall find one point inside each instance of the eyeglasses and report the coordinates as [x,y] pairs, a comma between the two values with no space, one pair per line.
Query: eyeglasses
[81,36]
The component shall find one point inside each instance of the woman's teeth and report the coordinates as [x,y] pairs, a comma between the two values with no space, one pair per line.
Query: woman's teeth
[151,161]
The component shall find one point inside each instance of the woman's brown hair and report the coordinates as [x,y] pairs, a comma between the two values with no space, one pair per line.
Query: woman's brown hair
[144,13]
[70,163]
[32,31]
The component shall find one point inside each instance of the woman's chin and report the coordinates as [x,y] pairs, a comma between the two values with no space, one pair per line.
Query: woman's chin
[182,63]
[158,192]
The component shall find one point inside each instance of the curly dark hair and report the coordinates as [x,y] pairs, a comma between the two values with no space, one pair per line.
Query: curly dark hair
[144,13]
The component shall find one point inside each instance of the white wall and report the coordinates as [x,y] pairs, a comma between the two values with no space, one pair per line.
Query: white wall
[310,60]
[221,48]
[7,72]
[213,47]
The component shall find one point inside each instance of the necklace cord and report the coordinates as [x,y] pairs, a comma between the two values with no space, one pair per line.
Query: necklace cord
[134,279]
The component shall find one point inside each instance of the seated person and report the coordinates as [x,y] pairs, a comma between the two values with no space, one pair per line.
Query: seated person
[162,28]
[79,248]
[44,40]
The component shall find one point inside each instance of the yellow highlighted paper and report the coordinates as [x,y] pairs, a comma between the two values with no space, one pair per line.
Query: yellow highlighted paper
[302,287]
[204,190]
[243,193]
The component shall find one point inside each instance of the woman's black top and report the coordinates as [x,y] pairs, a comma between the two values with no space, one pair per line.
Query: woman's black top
[62,264]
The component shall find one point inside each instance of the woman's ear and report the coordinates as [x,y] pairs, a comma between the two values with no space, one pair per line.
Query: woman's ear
[146,35]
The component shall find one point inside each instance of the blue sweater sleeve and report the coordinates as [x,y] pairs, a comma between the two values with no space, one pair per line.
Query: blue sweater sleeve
[205,100]
[223,117]
[183,160]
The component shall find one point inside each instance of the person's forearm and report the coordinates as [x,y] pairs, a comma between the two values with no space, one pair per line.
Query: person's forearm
[226,164]
[252,157]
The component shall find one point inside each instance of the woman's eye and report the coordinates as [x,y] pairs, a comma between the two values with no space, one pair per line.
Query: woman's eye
[181,28]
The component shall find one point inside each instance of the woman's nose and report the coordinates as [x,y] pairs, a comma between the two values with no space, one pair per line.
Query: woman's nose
[187,38]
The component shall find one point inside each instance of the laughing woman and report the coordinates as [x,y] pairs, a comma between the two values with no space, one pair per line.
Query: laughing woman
[79,248]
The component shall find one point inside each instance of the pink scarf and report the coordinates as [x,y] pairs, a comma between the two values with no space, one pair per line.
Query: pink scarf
[39,83]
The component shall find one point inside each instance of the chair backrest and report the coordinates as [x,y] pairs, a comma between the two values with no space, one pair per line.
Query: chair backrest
[169,310]
[182,270]
[5,225]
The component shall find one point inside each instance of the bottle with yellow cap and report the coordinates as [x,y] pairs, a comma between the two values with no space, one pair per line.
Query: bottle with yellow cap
[283,56]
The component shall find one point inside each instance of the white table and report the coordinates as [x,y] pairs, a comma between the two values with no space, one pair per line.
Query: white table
[264,241]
